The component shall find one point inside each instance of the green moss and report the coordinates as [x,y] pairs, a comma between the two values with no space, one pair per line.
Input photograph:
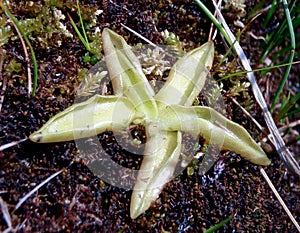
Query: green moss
[13,67]
[5,31]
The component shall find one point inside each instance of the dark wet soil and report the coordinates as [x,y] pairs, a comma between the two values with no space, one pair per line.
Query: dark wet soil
[77,200]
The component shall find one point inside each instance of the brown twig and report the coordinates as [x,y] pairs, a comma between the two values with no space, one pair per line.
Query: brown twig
[26,58]
[105,8]
[212,36]
[2,79]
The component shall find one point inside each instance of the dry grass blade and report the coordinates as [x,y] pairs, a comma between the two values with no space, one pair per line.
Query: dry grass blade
[280,199]
[251,117]
[268,136]
[283,129]
[139,35]
[23,199]
[263,171]
[284,153]
[290,125]
[5,213]
[7,218]
[11,144]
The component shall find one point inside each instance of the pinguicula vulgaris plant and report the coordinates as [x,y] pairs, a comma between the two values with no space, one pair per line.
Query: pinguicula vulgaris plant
[165,115]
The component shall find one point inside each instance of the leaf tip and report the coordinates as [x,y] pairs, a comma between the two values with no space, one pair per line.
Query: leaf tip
[36,137]
[137,205]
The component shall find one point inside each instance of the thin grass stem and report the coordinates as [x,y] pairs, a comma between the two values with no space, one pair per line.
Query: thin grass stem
[214,20]
[35,66]
[290,103]
[258,70]
[291,56]
[82,39]
[219,225]
[82,26]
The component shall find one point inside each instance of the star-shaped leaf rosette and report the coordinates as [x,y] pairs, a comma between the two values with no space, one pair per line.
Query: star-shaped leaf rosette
[165,115]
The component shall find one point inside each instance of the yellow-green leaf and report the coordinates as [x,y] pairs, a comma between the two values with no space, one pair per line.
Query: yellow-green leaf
[187,76]
[215,128]
[89,118]
[126,73]
[160,158]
